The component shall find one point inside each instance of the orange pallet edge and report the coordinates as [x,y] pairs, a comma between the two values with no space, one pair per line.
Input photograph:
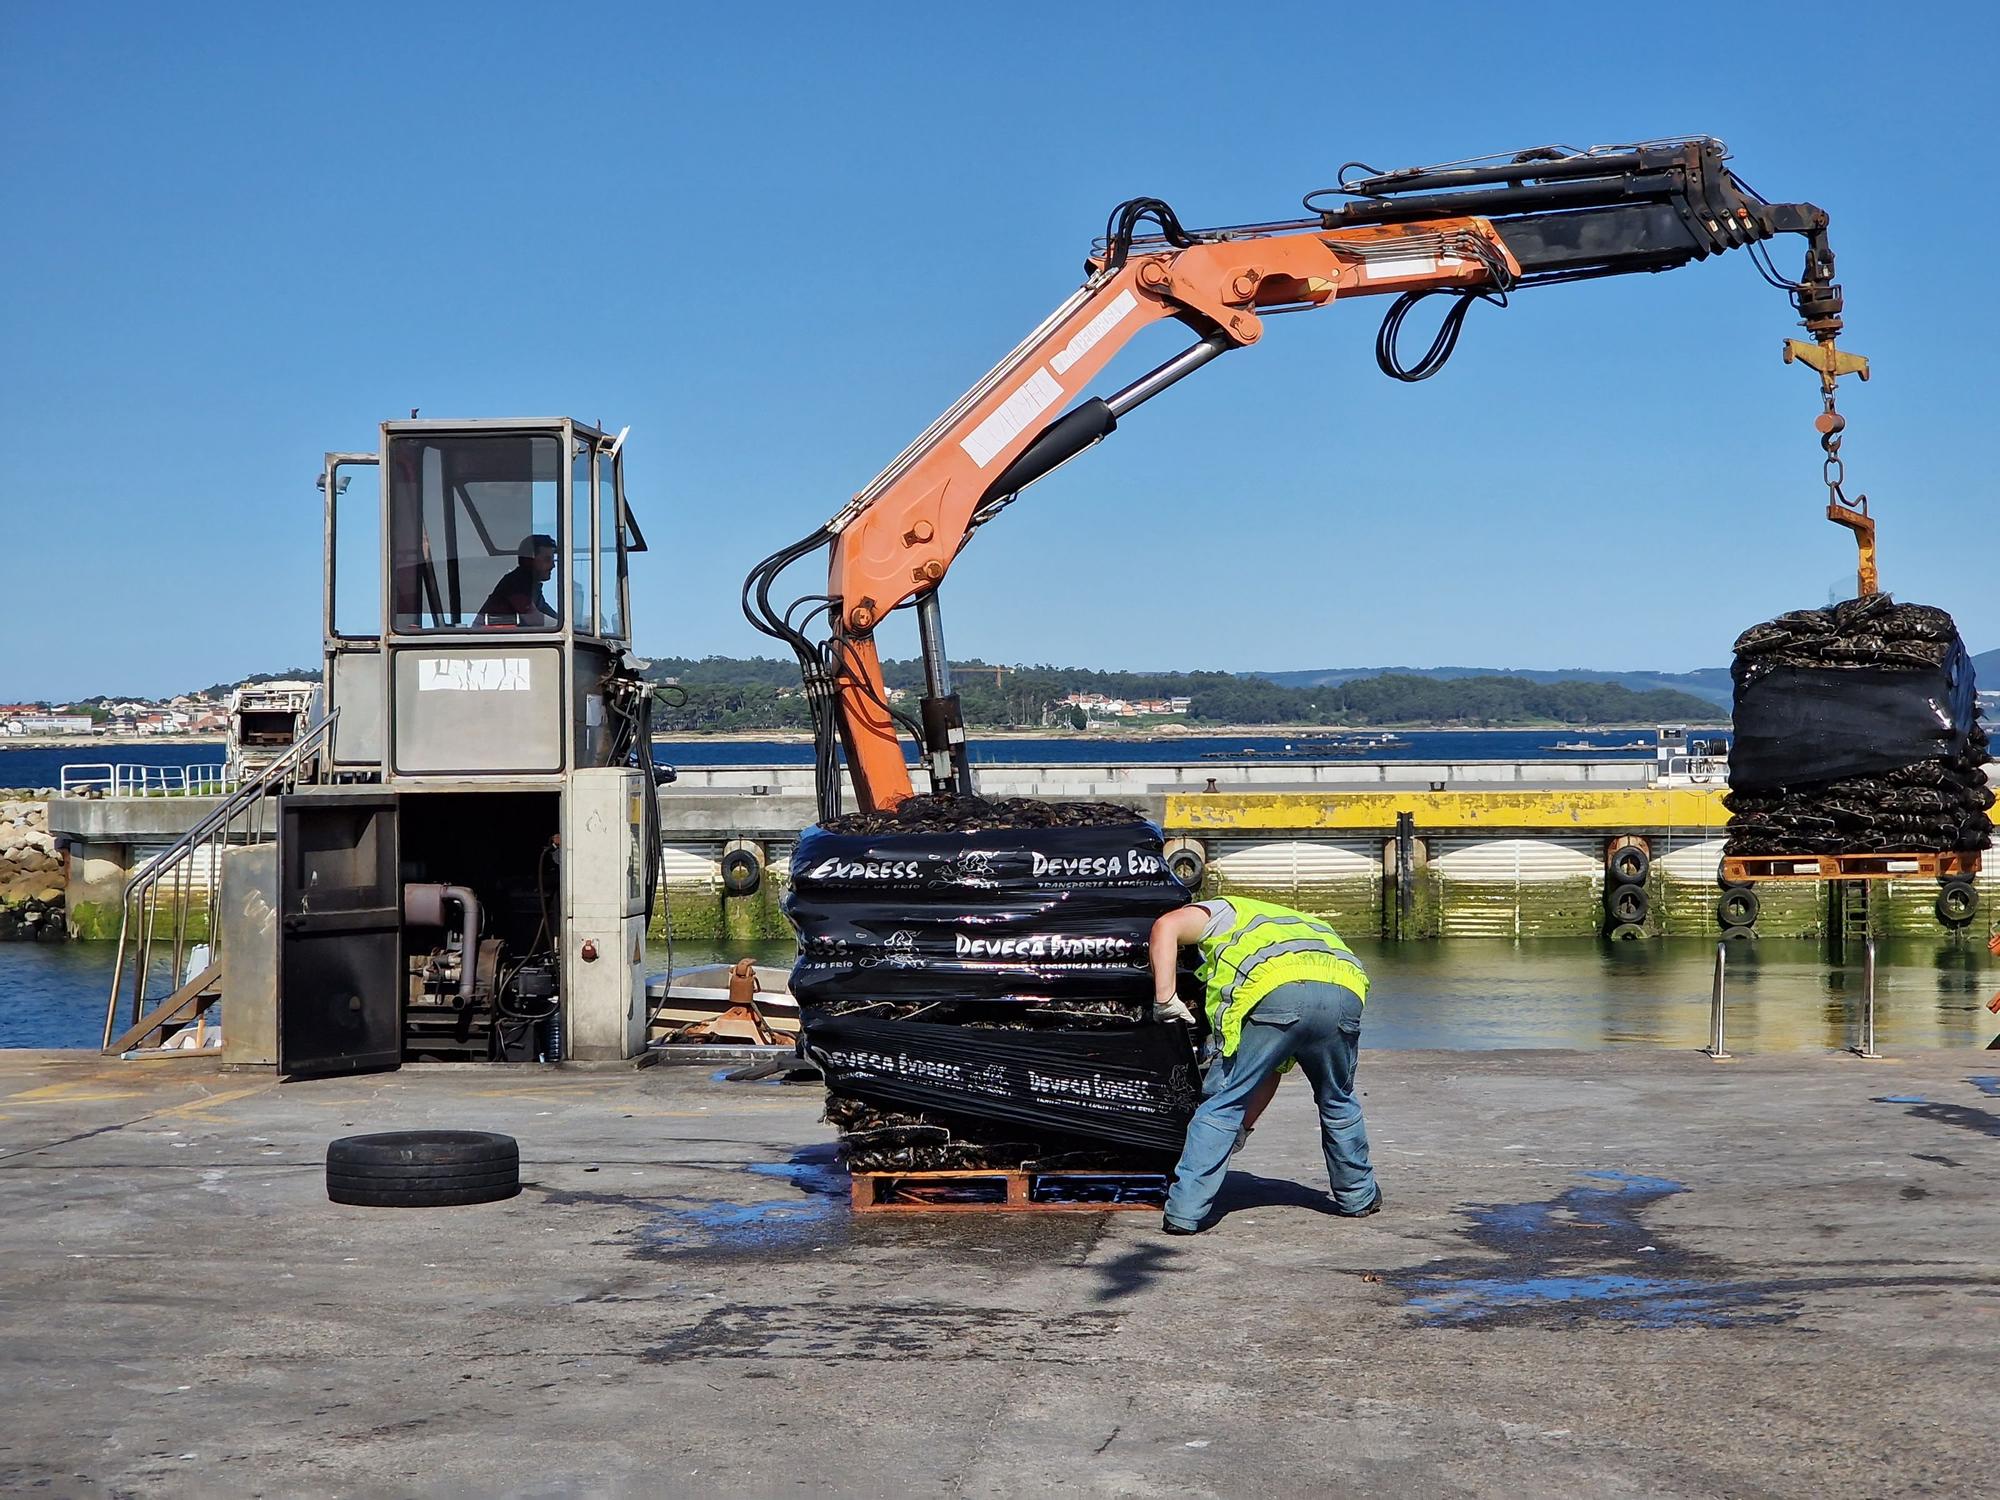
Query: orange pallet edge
[1004,1189]
[1956,865]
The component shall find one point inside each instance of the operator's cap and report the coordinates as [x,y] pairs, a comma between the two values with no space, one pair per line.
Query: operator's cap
[534,542]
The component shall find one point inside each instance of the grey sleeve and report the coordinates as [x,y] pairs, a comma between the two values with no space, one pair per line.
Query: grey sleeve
[1220,916]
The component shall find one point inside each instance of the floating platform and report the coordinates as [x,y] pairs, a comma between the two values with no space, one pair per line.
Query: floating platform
[1003,1188]
[1961,865]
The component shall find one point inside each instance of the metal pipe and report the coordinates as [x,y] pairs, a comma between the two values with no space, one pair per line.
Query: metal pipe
[423,906]
[930,634]
[1867,1047]
[1182,365]
[1595,192]
[1716,1048]
[1406,868]
[943,724]
[1578,164]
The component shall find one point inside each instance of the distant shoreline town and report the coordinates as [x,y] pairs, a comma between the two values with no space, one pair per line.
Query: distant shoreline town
[130,719]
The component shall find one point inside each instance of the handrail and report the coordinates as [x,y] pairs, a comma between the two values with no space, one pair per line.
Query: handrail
[140,904]
[1717,1047]
[137,779]
[1866,1046]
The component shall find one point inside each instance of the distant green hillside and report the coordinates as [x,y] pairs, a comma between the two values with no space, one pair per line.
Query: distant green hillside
[732,693]
[1708,683]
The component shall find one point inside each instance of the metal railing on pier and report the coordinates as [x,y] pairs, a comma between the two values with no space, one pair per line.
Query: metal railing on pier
[125,779]
[160,898]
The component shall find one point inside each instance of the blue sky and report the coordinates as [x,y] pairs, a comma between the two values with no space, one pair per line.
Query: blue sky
[777,241]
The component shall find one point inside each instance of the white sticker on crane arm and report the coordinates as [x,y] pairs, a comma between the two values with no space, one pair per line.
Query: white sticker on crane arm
[1398,265]
[986,440]
[1092,333]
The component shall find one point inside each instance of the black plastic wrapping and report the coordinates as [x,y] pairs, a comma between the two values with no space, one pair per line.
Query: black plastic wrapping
[1135,1087]
[996,914]
[944,866]
[974,983]
[1857,732]
[1800,724]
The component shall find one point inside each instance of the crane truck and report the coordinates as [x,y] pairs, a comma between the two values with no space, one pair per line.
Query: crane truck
[1468,231]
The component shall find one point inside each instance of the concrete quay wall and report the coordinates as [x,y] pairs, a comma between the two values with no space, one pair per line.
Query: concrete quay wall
[1500,848]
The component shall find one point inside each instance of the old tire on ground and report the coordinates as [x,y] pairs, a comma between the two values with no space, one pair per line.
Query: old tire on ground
[1957,903]
[423,1168]
[1628,866]
[1187,867]
[1627,904]
[1626,932]
[741,874]
[1737,908]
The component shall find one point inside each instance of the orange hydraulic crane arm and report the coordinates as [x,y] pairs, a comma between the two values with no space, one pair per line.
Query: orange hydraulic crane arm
[1477,229]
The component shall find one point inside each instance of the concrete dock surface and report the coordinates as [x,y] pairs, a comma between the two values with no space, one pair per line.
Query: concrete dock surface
[1629,1273]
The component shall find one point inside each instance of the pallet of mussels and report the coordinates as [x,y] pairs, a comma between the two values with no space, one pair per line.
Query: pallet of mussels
[1858,755]
[974,987]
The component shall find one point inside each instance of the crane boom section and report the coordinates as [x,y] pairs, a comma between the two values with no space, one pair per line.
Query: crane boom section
[897,539]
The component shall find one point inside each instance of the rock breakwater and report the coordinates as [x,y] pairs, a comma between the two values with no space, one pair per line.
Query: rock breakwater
[34,875]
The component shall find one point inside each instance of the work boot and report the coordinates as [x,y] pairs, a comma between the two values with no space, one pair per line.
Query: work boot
[1372,1206]
[1172,1228]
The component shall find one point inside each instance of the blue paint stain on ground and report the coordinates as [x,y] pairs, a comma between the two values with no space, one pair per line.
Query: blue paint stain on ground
[681,1225]
[1900,1099]
[1987,1085]
[1583,1255]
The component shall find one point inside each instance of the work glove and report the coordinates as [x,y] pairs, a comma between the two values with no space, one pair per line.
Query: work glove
[1171,1009]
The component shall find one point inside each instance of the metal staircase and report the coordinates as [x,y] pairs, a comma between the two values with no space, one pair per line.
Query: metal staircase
[152,992]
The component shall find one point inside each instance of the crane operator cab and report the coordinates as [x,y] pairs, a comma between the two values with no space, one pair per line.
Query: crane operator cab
[469,872]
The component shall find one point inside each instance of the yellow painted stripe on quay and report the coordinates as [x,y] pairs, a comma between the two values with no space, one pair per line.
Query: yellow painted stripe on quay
[1619,809]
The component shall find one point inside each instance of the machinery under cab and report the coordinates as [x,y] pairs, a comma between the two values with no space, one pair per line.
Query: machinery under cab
[467,870]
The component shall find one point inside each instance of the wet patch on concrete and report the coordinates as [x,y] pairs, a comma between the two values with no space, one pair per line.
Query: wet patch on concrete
[1962,1116]
[902,1329]
[1584,1255]
[676,1225]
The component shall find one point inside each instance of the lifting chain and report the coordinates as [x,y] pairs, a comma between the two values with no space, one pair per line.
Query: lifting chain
[1830,424]
[1819,302]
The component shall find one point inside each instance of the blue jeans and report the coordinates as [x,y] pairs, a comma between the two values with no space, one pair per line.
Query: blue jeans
[1320,1025]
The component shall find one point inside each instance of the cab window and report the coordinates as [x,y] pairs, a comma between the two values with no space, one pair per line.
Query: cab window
[475,526]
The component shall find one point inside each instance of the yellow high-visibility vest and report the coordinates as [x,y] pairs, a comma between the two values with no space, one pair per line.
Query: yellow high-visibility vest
[1265,946]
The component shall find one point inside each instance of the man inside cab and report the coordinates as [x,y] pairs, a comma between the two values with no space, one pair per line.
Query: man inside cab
[517,599]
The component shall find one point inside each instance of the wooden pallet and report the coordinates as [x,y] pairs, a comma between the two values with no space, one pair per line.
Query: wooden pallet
[1955,866]
[1002,1188]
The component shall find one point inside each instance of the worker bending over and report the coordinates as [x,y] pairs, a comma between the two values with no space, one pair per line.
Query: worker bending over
[1281,987]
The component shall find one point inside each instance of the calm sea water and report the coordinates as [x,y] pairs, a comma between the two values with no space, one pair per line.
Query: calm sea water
[43,767]
[1576,993]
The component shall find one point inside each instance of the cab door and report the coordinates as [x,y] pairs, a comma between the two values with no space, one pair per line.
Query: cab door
[351,486]
[340,933]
